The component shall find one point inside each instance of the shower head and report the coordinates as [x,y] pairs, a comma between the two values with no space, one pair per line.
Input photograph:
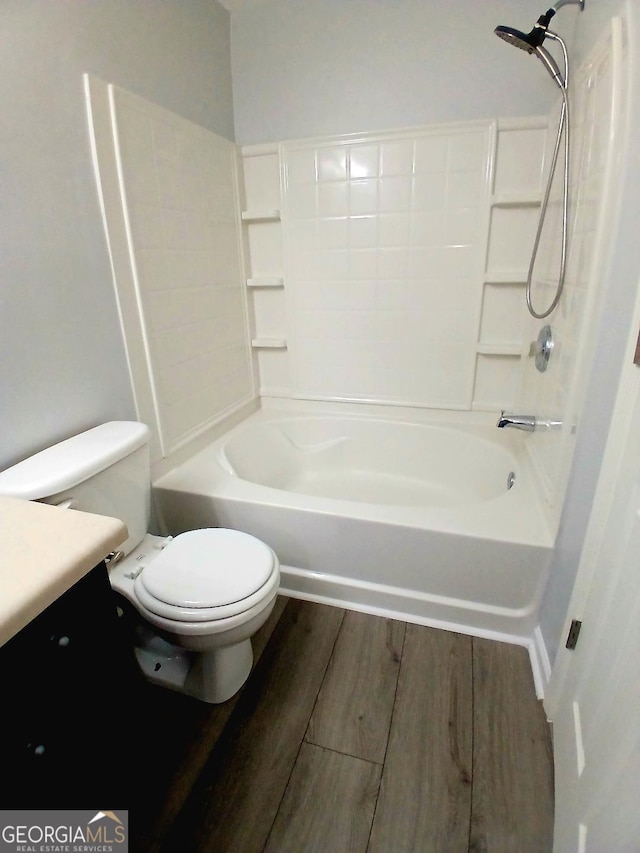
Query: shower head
[532,42]
[516,38]
[527,41]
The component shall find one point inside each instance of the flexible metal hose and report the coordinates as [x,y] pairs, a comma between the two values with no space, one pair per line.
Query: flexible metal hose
[563,126]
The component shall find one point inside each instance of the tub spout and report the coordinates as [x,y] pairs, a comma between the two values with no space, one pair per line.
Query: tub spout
[525,422]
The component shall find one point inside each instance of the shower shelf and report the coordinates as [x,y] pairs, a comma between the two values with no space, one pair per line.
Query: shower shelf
[265,281]
[269,343]
[269,215]
[505,277]
[532,199]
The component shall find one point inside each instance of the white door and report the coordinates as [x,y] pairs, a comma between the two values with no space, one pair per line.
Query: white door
[594,692]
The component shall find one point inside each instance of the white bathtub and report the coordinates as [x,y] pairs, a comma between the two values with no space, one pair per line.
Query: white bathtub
[410,519]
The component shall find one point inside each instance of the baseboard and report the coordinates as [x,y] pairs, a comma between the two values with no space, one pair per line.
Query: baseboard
[540,663]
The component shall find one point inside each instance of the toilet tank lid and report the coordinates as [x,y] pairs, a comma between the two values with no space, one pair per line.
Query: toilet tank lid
[72,461]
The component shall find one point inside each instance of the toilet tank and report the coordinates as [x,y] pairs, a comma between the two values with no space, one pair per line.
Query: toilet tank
[105,470]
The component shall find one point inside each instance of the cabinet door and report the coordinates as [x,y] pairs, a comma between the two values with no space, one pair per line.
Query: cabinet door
[70,690]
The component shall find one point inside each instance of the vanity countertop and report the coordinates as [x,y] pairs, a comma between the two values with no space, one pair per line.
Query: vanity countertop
[44,550]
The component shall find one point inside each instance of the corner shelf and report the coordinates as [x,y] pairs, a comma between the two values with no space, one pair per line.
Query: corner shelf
[265,281]
[518,277]
[531,199]
[267,215]
[269,343]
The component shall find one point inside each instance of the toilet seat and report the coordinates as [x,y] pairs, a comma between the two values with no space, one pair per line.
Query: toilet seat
[207,575]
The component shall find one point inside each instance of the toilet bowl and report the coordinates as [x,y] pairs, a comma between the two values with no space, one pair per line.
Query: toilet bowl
[205,592]
[196,599]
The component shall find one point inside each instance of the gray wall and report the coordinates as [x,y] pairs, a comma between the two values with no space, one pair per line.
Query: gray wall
[339,66]
[63,364]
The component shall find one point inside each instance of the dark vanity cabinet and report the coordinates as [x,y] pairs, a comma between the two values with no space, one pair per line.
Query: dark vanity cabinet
[69,685]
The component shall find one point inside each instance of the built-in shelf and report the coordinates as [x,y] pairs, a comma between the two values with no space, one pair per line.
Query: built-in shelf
[499,349]
[265,281]
[269,343]
[531,199]
[518,277]
[266,215]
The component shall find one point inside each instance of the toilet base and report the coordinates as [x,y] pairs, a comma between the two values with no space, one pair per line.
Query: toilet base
[217,675]
[163,663]
[212,677]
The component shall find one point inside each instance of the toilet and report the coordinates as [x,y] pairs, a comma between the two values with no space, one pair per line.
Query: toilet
[195,599]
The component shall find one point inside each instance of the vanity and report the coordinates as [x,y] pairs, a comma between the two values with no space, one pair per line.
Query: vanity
[69,677]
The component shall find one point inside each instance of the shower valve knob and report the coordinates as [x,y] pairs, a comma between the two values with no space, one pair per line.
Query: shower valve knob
[541,348]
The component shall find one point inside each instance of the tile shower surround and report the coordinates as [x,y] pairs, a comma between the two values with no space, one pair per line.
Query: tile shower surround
[385,238]
[382,289]
[404,251]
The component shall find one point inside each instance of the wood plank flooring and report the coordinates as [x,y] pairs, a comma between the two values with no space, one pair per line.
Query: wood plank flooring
[353,733]
[425,796]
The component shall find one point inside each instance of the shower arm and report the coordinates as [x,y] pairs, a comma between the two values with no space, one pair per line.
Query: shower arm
[562,3]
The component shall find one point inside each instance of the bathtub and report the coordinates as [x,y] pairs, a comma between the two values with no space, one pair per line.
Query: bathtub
[436,522]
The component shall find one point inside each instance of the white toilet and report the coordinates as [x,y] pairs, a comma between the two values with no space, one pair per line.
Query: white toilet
[201,595]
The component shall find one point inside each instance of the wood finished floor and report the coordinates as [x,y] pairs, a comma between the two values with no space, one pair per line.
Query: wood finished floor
[353,733]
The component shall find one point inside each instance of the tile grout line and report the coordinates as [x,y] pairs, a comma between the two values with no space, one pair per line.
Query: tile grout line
[384,759]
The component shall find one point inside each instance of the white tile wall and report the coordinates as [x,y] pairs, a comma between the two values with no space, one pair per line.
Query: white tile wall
[179,201]
[385,238]
[519,169]
[503,315]
[496,379]
[513,230]
[369,249]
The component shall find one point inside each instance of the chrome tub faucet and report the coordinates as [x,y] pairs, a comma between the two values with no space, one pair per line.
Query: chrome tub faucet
[525,422]
[529,423]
